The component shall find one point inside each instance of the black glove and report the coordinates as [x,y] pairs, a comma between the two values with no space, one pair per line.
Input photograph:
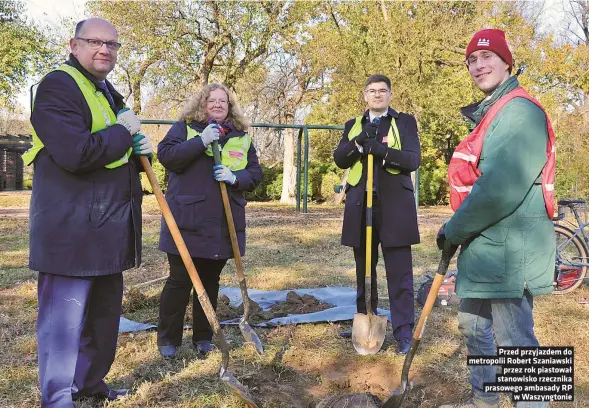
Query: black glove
[374,147]
[368,132]
[441,237]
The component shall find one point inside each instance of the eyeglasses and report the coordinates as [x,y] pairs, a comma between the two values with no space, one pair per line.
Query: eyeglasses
[485,58]
[374,92]
[96,44]
[217,102]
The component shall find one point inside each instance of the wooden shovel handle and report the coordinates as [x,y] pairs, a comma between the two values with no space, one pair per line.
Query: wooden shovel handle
[180,244]
[368,272]
[229,215]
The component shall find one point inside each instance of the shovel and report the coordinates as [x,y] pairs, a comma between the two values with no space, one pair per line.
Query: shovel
[246,330]
[398,396]
[225,375]
[368,330]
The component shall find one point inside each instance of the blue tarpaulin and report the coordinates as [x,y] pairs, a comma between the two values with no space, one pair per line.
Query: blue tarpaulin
[343,300]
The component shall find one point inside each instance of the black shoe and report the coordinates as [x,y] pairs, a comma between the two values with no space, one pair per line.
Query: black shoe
[346,334]
[403,346]
[110,395]
[113,395]
[168,351]
[203,347]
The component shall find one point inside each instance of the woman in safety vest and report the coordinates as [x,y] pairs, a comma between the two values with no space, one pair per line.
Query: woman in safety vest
[194,197]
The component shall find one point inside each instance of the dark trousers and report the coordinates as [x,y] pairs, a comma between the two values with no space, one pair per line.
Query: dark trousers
[175,297]
[399,270]
[77,332]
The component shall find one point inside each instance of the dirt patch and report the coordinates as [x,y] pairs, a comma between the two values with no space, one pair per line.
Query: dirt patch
[375,378]
[294,304]
[369,384]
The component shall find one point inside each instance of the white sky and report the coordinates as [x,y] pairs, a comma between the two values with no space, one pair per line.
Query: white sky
[52,11]
[49,12]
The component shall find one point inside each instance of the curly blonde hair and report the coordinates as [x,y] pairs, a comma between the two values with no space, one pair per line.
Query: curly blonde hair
[196,108]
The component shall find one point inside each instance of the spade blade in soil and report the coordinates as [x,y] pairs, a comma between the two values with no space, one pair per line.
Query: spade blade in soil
[250,335]
[368,332]
[395,400]
[398,396]
[238,388]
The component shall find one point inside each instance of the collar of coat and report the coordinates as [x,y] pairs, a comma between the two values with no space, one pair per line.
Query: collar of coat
[199,126]
[475,112]
[390,112]
[117,97]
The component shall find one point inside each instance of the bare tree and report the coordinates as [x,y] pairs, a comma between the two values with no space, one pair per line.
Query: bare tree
[577,26]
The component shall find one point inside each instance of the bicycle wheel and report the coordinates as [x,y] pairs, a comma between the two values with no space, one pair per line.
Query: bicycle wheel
[570,251]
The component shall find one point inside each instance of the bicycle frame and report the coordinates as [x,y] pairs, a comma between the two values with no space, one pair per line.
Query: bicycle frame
[577,232]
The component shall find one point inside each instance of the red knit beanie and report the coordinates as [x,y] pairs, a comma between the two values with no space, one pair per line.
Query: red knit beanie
[493,40]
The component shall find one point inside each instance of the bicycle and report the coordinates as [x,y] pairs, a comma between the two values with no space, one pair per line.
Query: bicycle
[572,249]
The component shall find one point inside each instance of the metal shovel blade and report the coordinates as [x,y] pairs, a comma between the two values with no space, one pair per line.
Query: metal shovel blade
[250,335]
[238,389]
[368,332]
[398,396]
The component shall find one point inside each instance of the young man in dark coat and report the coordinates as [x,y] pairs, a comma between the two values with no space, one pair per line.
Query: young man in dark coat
[394,143]
[85,216]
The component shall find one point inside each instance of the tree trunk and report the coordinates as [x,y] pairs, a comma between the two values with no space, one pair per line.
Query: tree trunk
[137,97]
[289,171]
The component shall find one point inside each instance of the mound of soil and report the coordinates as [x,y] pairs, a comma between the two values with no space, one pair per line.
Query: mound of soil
[294,304]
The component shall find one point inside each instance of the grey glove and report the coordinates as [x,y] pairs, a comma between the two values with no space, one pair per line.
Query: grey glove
[129,120]
[210,134]
[142,145]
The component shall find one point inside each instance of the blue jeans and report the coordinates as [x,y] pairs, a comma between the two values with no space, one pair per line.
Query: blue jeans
[509,322]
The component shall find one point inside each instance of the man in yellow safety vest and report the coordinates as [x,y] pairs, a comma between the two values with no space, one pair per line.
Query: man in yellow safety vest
[391,137]
[85,215]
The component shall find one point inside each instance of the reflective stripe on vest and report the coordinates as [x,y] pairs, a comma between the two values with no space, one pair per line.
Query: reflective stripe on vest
[233,154]
[463,169]
[102,116]
[393,141]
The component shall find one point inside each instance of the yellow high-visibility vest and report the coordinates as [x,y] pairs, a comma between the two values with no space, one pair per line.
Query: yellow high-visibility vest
[393,141]
[233,154]
[102,116]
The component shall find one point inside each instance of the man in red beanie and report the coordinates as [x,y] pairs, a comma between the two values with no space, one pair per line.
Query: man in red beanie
[502,191]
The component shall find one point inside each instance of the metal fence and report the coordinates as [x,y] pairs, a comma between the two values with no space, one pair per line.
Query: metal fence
[303,133]
[11,162]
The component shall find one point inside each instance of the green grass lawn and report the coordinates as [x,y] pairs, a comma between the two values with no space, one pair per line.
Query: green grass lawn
[302,364]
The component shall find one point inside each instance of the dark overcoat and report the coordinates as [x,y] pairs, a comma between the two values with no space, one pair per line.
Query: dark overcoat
[85,219]
[395,191]
[194,195]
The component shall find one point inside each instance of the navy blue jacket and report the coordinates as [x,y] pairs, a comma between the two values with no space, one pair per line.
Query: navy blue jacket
[85,219]
[395,191]
[194,195]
